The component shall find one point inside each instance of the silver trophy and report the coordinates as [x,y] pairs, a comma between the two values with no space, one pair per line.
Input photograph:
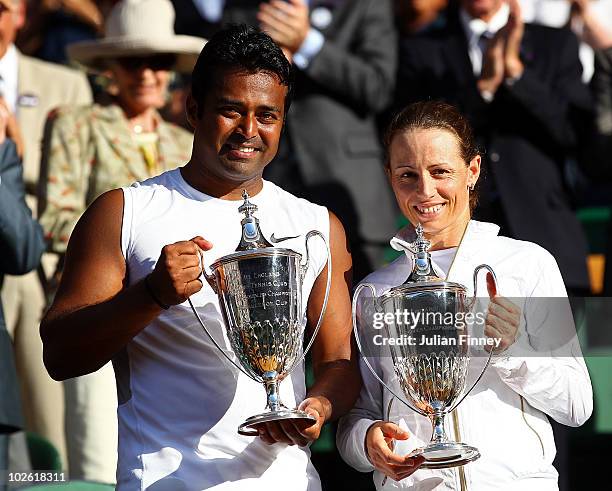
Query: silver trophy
[260,293]
[431,353]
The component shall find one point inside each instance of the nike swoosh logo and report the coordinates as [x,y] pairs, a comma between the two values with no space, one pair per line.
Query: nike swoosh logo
[274,240]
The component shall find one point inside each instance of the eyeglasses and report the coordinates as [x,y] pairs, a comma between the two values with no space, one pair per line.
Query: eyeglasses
[155,62]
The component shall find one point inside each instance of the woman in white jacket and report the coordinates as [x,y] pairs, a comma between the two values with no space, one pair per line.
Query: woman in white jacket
[538,370]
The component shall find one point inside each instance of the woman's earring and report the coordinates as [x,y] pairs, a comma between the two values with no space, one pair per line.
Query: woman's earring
[471,187]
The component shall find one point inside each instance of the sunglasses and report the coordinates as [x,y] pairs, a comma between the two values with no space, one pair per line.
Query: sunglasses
[155,62]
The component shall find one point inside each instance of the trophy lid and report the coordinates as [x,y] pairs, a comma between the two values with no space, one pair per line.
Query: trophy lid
[252,238]
[252,242]
[422,269]
[422,277]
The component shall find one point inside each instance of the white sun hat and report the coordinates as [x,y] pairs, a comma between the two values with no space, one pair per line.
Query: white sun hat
[138,28]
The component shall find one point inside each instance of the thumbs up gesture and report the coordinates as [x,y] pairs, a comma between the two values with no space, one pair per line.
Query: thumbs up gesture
[503,318]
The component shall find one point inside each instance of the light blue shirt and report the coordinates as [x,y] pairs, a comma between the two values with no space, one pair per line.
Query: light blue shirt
[212,11]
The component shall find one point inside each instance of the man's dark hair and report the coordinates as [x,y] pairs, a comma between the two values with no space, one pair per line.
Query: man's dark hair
[243,48]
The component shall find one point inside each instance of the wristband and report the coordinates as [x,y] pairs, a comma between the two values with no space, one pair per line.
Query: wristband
[152,294]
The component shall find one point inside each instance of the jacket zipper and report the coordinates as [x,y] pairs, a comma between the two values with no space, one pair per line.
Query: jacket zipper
[462,479]
[531,427]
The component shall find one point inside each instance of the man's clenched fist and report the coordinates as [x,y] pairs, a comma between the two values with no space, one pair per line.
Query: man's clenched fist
[177,273]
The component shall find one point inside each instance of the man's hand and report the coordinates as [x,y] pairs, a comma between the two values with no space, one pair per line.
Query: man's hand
[515,28]
[379,443]
[293,433]
[492,74]
[502,58]
[594,33]
[177,273]
[9,127]
[286,22]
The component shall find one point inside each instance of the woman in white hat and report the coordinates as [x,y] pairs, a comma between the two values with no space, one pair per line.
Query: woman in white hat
[90,149]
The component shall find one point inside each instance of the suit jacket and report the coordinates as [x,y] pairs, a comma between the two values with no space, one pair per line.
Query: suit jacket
[598,155]
[332,122]
[43,86]
[528,131]
[21,246]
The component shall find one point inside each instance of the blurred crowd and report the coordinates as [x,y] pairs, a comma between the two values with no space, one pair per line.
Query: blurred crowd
[89,101]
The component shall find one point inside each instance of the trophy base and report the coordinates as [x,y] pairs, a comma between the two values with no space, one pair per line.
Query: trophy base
[300,418]
[447,454]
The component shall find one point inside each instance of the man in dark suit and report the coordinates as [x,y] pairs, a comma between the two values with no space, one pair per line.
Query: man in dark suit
[21,246]
[345,55]
[520,86]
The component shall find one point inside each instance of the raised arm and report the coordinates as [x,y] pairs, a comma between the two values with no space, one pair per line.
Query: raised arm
[356,66]
[365,75]
[95,314]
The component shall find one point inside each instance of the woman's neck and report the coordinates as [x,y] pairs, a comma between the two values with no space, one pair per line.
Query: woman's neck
[447,238]
[141,121]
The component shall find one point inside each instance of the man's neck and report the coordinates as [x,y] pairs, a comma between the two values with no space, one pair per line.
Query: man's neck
[199,178]
[7,49]
[484,16]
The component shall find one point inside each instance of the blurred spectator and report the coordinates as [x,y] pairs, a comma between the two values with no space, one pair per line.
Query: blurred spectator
[600,161]
[602,90]
[344,52]
[416,16]
[21,246]
[53,24]
[31,88]
[591,21]
[521,87]
[91,149]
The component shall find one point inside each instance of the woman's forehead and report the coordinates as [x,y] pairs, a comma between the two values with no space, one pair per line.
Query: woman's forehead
[424,144]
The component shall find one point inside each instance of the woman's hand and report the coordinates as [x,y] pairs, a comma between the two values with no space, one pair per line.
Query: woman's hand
[379,447]
[503,319]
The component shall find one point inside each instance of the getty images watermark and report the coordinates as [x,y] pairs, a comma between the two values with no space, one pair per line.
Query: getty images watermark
[430,328]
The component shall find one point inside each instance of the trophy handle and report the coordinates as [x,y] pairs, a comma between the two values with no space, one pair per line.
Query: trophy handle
[358,290]
[470,306]
[212,282]
[217,344]
[312,233]
[472,302]
[304,267]
[474,384]
[210,278]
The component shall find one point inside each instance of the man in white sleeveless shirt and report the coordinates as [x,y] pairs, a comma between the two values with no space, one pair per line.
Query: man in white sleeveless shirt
[132,264]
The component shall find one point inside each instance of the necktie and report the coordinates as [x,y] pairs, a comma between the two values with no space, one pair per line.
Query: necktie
[483,40]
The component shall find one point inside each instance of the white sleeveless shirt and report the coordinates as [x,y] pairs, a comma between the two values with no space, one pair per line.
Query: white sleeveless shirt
[180,401]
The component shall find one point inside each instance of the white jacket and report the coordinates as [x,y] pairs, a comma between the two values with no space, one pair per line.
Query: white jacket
[505,415]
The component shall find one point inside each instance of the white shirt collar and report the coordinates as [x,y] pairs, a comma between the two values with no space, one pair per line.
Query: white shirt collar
[474,28]
[475,231]
[9,73]
[476,234]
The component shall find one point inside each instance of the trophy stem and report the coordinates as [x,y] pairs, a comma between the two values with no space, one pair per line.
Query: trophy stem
[438,434]
[271,383]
